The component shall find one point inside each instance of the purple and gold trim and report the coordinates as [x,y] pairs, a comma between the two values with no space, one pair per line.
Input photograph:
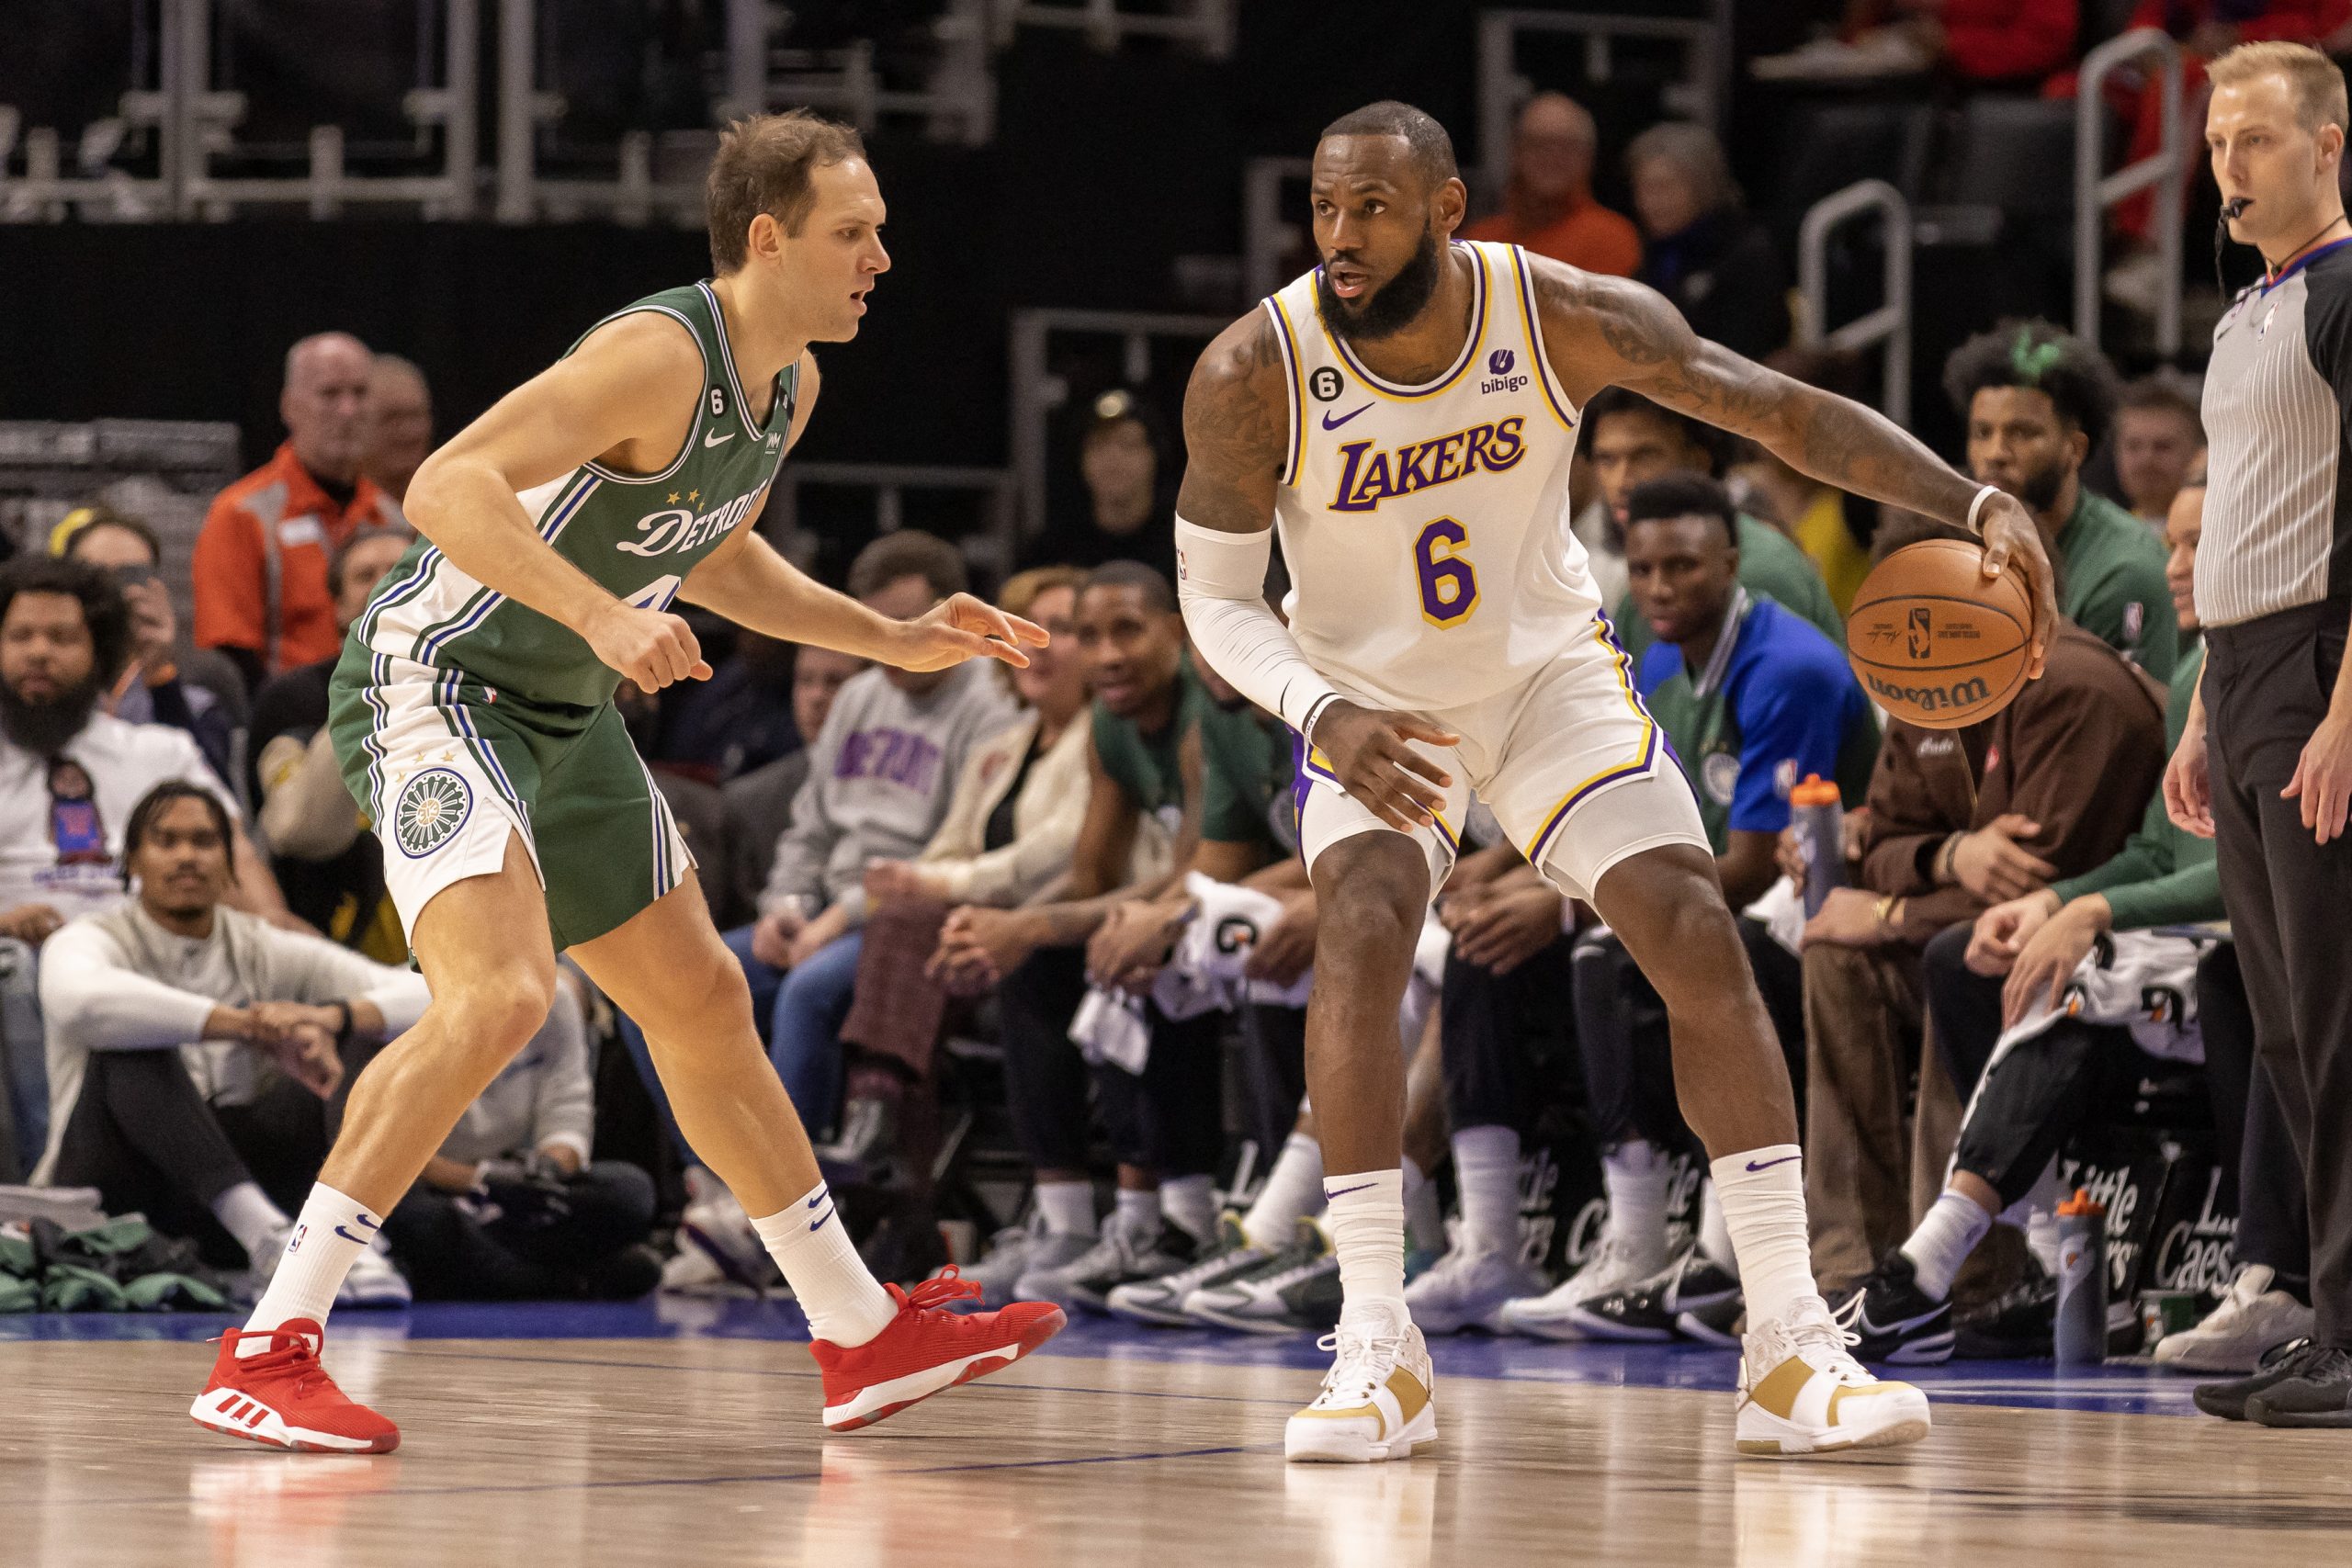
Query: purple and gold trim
[1527,314]
[1312,764]
[1469,349]
[1645,759]
[1294,383]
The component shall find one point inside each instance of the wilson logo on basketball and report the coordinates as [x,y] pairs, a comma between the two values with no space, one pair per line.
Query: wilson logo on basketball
[1930,699]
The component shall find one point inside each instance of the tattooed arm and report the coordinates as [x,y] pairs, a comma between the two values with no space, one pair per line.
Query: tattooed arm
[1601,331]
[1237,436]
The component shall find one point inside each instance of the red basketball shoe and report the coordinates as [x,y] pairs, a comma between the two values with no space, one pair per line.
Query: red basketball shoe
[926,1348]
[282,1397]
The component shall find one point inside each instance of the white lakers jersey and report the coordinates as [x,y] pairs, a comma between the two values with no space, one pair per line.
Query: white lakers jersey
[1426,528]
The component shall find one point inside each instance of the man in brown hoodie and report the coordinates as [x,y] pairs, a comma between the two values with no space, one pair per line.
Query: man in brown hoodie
[1957,820]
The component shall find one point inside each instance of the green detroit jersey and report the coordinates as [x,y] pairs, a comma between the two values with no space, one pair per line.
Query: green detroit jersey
[638,535]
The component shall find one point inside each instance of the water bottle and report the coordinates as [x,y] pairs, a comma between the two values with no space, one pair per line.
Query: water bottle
[2081,1337]
[1820,824]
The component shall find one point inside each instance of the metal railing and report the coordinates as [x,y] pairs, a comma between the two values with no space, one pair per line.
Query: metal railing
[1701,96]
[1036,391]
[2095,193]
[1207,25]
[1889,326]
[889,483]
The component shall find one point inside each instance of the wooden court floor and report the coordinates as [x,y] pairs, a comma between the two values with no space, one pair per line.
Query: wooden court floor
[706,1450]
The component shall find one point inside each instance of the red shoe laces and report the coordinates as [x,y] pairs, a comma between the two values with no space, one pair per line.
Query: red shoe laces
[937,1293]
[289,1351]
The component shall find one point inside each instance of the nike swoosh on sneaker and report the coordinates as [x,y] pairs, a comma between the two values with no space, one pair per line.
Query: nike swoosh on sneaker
[1330,424]
[1768,1164]
[714,438]
[1870,1330]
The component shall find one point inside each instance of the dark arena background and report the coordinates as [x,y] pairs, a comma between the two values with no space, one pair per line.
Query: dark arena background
[258,258]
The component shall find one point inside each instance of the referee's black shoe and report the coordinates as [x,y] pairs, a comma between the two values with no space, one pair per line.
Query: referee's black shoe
[2318,1394]
[2228,1400]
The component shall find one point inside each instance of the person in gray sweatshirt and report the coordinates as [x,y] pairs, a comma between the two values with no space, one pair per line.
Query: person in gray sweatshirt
[881,773]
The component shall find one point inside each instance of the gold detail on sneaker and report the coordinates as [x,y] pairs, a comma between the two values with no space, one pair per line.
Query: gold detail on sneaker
[1777,1391]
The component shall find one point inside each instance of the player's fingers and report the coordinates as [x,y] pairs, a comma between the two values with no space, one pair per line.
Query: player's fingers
[1410,728]
[701,672]
[1407,761]
[1424,796]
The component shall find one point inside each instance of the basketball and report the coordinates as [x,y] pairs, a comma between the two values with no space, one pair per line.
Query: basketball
[1935,641]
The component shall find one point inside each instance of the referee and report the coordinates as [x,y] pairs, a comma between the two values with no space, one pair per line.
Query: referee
[2265,763]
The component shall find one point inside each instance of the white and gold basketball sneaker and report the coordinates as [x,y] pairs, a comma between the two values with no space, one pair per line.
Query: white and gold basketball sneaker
[1801,1391]
[1376,1399]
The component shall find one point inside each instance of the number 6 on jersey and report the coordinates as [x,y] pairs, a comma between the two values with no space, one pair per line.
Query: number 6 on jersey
[1449,585]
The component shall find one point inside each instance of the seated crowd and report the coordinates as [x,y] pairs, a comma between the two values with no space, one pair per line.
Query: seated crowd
[1053,921]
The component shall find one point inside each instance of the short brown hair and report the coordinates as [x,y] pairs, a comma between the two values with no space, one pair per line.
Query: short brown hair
[2316,81]
[910,552]
[1023,589]
[763,164]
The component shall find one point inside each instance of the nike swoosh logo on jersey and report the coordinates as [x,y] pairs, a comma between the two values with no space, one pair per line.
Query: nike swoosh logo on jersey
[1330,424]
[1770,1163]
[714,438]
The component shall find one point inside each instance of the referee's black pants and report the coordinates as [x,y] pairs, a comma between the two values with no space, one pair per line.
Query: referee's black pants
[2290,900]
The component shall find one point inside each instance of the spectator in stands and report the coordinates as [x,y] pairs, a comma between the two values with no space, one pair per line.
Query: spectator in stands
[2158,433]
[2036,401]
[331,871]
[1548,206]
[881,775]
[758,802]
[1010,831]
[151,688]
[1830,526]
[1958,820]
[740,719]
[400,424]
[1129,495]
[512,1208]
[1700,248]
[196,1055]
[1630,440]
[1983,43]
[261,562]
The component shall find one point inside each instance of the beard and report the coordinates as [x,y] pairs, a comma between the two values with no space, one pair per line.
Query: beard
[2038,489]
[44,727]
[1392,306]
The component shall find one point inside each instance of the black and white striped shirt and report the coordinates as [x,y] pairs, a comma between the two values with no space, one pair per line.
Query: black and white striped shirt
[2277,394]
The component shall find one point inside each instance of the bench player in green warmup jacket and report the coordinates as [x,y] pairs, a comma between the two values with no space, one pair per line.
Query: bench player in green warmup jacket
[473,718]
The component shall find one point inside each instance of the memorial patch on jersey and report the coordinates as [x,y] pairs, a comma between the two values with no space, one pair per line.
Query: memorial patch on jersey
[433,806]
[1370,477]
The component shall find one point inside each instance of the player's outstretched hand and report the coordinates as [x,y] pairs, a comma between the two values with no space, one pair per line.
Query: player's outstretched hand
[1371,756]
[963,627]
[652,647]
[2013,542]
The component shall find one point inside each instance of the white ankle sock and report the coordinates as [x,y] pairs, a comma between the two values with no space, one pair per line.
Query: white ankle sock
[329,1237]
[844,1302]
[1486,1172]
[1365,1215]
[1948,1234]
[1137,1213]
[1715,1236]
[1293,1189]
[1424,1220]
[1763,1196]
[1189,1202]
[1635,1173]
[2041,1240]
[245,1212]
[1069,1207]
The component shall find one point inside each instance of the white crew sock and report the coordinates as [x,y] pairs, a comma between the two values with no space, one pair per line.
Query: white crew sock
[1069,1207]
[1190,1203]
[1635,1173]
[1763,1194]
[1424,1220]
[1715,1236]
[329,1237]
[844,1302]
[1948,1234]
[1486,1173]
[1364,1212]
[1136,1214]
[2041,1240]
[245,1212]
[1293,1189]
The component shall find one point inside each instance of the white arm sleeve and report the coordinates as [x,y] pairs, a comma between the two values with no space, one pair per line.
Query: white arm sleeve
[1221,583]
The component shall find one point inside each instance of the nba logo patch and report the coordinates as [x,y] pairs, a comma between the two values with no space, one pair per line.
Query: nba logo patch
[2267,317]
